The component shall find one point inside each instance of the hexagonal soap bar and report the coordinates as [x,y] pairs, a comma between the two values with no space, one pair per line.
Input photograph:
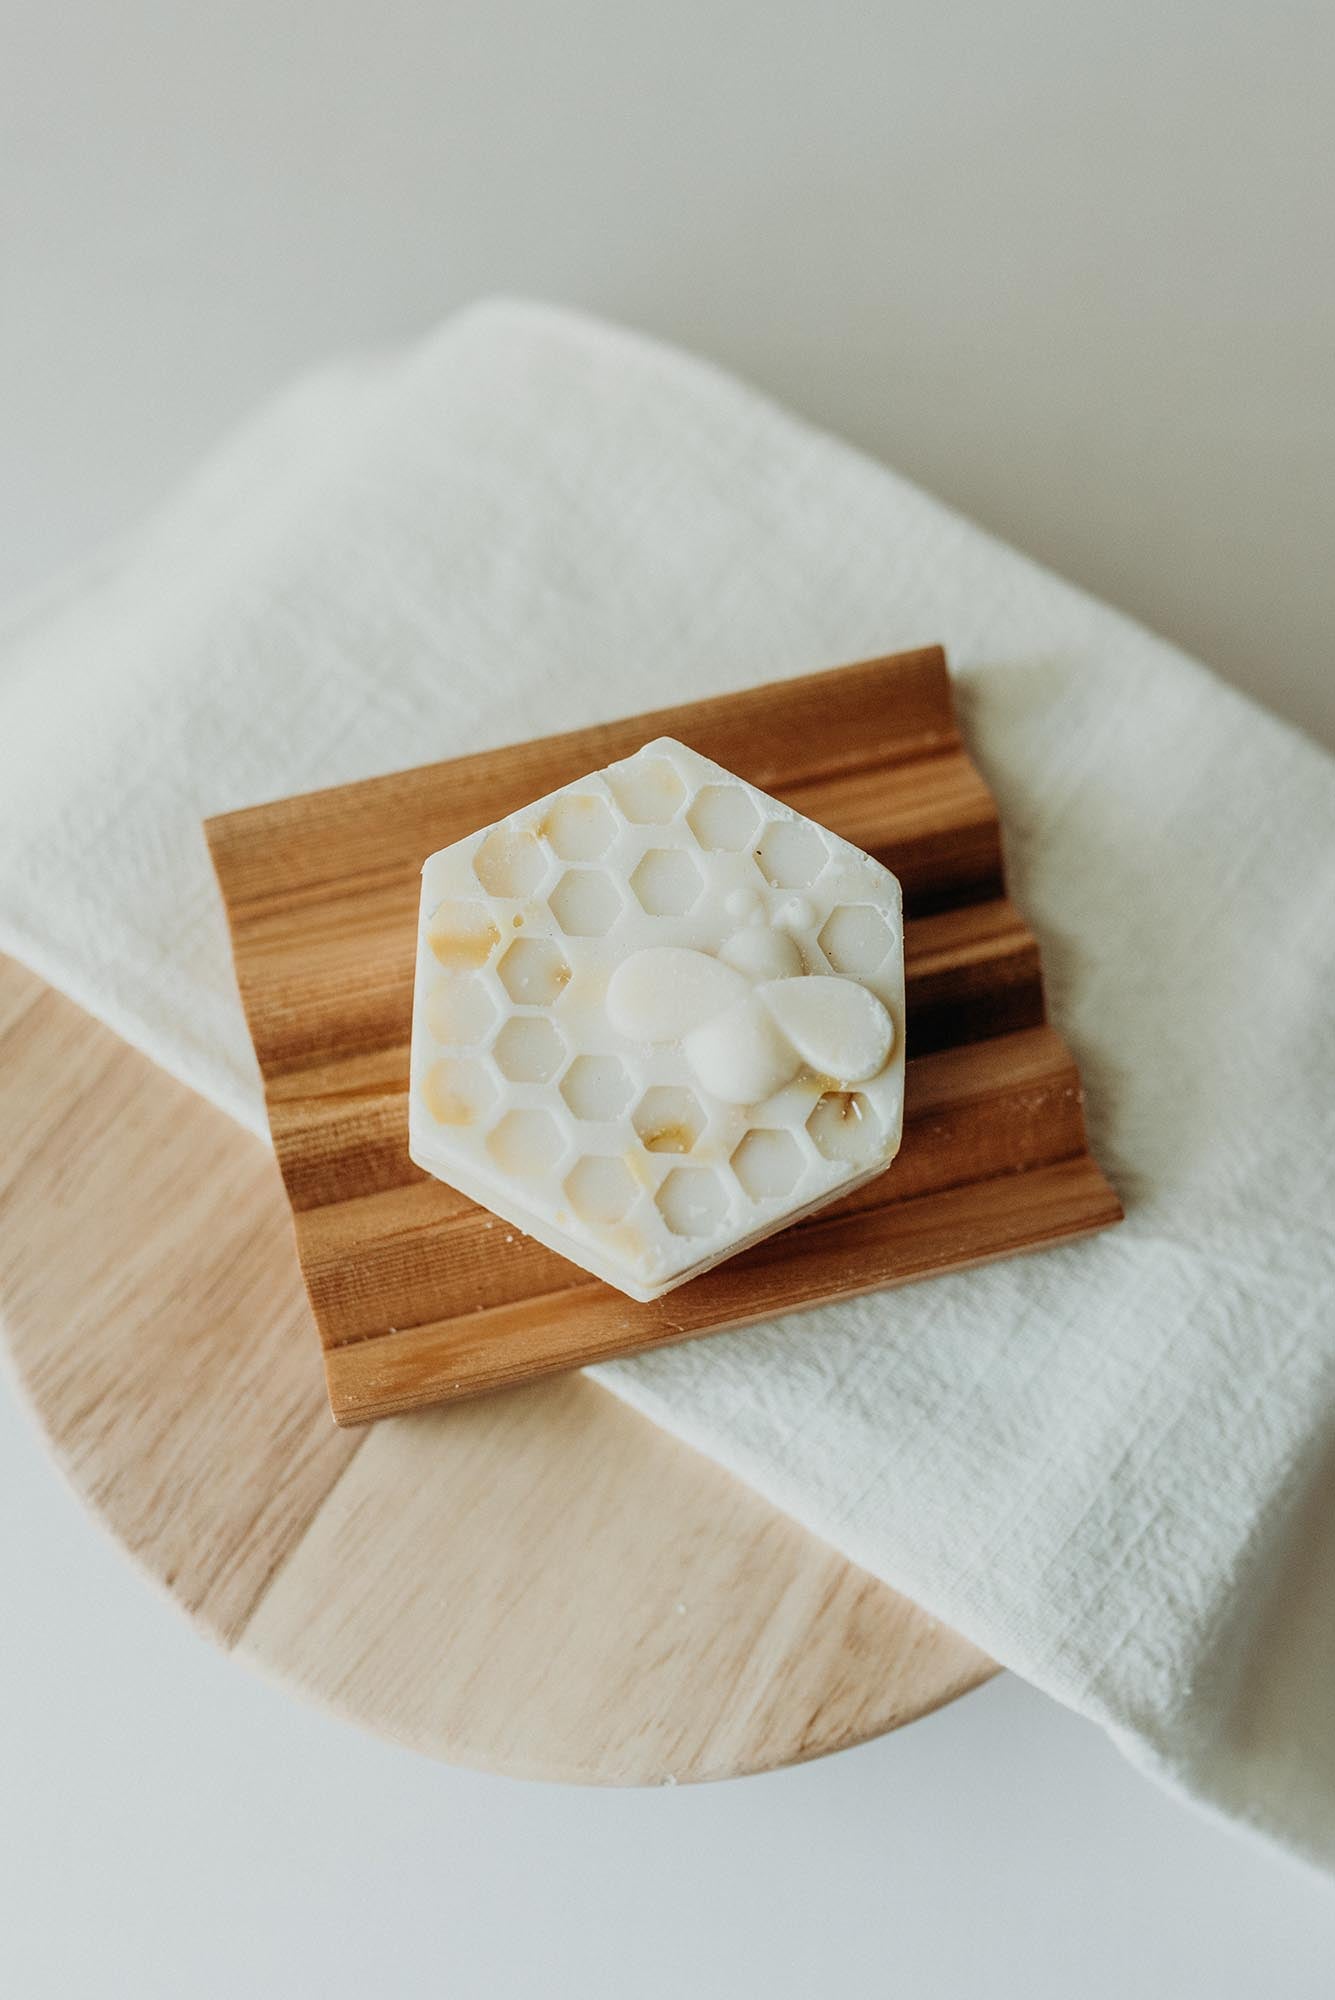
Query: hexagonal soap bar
[657,1016]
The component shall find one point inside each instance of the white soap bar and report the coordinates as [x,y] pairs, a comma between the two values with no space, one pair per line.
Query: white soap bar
[657,1016]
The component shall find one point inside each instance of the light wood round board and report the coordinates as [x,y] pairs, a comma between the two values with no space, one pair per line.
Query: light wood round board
[540,1583]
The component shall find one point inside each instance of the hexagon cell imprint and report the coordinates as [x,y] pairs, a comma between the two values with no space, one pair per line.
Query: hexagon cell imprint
[657,1015]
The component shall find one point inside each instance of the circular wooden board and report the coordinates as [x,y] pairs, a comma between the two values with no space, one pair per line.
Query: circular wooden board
[542,1583]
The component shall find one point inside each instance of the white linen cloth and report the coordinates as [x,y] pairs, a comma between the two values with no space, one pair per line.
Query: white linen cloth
[1111,1465]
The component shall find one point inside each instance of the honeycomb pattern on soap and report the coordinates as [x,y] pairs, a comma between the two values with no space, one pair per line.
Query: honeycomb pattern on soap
[520,1072]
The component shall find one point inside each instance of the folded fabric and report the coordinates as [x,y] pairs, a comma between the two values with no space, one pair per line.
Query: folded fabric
[1110,1465]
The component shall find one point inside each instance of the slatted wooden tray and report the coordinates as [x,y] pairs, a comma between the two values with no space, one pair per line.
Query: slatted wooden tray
[413,1300]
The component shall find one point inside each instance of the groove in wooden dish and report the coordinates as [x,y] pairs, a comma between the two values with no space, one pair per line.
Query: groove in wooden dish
[421,1297]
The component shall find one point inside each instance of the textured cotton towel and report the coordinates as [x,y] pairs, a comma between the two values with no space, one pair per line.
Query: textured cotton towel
[1112,1465]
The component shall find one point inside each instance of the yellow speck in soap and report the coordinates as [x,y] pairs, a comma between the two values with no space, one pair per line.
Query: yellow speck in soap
[448,1108]
[626,1240]
[590,985]
[669,1139]
[647,790]
[844,1127]
[462,936]
[454,1092]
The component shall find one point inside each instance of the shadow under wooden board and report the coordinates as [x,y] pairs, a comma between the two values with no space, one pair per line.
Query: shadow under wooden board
[412,1303]
[543,1584]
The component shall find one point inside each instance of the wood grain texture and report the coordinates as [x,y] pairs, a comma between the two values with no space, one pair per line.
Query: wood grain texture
[413,1298]
[543,1584]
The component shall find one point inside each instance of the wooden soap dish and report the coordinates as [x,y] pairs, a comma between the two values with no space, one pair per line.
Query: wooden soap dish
[415,1300]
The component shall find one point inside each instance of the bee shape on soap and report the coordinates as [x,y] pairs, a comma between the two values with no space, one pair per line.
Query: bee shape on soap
[750,1020]
[657,1015]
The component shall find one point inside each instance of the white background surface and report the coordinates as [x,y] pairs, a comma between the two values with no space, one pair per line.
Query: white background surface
[1069,266]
